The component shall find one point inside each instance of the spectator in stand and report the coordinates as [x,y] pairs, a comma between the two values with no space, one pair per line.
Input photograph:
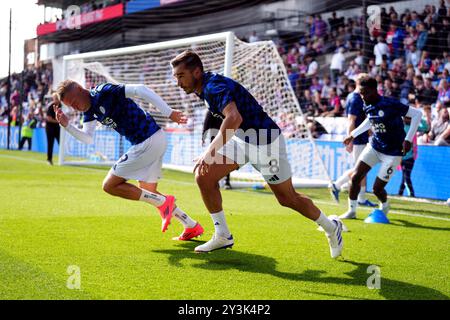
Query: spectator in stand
[320,27]
[433,45]
[315,85]
[394,40]
[425,62]
[326,87]
[439,134]
[380,50]
[335,108]
[429,93]
[422,37]
[337,65]
[293,76]
[335,23]
[313,66]
[413,57]
[27,131]
[442,12]
[444,92]
[253,37]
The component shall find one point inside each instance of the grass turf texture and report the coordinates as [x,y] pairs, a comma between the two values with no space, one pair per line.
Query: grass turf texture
[54,217]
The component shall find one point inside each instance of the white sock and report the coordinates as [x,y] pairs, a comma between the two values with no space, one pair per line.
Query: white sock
[327,225]
[152,198]
[220,225]
[352,204]
[384,206]
[343,179]
[362,195]
[185,220]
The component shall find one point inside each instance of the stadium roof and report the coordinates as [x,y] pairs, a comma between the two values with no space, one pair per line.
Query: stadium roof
[60,3]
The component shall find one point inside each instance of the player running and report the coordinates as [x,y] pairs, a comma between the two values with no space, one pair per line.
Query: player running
[247,134]
[388,144]
[356,116]
[112,105]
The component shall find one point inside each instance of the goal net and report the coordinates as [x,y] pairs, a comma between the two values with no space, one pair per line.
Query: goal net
[257,66]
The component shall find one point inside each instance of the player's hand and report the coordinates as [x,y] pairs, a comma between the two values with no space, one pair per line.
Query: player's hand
[178,117]
[61,117]
[202,163]
[349,147]
[406,146]
[348,140]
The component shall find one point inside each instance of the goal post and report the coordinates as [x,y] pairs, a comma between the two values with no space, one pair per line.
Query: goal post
[257,66]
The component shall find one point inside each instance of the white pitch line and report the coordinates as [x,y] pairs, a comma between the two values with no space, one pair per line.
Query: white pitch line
[247,191]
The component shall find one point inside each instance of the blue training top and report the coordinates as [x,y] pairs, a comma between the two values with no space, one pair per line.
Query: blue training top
[387,124]
[218,91]
[112,108]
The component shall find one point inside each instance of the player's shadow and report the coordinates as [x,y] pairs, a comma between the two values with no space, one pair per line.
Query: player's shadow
[408,224]
[253,263]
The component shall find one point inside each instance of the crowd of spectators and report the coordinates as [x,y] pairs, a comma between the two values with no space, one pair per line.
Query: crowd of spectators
[34,92]
[408,55]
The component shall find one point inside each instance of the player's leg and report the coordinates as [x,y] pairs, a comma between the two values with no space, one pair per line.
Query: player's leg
[288,197]
[21,143]
[362,199]
[388,164]
[192,228]
[402,185]
[119,187]
[409,165]
[142,162]
[50,140]
[210,191]
[272,162]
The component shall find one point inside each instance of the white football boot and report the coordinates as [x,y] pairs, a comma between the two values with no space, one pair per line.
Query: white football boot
[335,239]
[217,242]
[348,215]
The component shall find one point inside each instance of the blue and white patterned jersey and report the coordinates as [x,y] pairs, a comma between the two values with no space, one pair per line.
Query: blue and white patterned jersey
[218,91]
[112,108]
[387,124]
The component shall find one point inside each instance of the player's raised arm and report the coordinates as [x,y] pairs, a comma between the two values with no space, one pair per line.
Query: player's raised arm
[144,92]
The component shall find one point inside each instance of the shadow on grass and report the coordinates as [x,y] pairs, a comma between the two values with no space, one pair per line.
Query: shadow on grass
[253,263]
[408,224]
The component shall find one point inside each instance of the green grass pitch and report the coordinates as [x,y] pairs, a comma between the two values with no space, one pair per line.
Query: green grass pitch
[55,217]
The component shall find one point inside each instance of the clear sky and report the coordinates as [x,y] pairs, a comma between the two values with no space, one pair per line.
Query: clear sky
[26,16]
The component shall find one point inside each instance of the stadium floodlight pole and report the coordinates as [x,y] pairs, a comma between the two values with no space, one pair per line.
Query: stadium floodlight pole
[62,133]
[8,88]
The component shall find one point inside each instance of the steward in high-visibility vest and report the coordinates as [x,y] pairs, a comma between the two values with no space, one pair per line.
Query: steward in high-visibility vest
[27,131]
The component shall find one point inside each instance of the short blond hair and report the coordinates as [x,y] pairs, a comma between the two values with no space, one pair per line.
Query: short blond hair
[65,87]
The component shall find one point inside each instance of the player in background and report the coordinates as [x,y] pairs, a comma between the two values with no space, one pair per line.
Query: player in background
[112,105]
[388,143]
[247,134]
[355,113]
